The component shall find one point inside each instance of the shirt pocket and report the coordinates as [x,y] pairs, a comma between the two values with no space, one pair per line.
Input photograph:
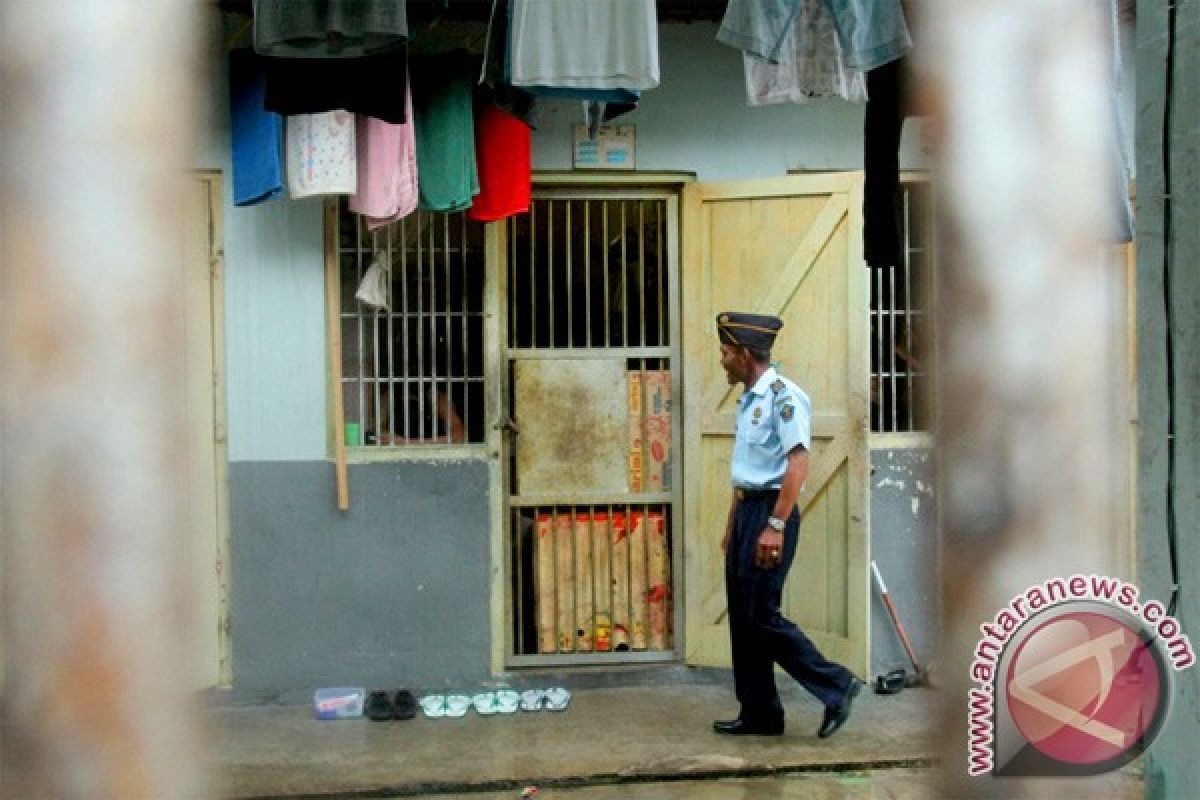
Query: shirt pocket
[761,435]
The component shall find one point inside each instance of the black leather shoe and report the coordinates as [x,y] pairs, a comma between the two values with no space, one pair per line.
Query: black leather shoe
[836,716]
[738,727]
[379,706]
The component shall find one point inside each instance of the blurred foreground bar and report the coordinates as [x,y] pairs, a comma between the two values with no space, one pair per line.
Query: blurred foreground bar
[96,661]
[1026,363]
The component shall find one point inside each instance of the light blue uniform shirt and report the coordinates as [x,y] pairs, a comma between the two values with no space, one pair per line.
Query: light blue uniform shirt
[773,417]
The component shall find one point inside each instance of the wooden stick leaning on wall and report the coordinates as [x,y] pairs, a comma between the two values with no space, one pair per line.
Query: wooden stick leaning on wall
[333,300]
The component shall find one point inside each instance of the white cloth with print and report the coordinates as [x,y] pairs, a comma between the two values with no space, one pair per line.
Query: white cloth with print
[321,154]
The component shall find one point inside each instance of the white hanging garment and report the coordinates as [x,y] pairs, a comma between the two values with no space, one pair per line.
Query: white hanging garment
[812,64]
[585,44]
[321,154]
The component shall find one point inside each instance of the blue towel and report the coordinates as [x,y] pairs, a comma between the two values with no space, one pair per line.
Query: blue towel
[257,134]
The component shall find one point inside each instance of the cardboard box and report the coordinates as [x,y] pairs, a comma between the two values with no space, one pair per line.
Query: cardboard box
[544,583]
[620,582]
[658,577]
[636,432]
[656,442]
[564,557]
[584,605]
[602,581]
[638,610]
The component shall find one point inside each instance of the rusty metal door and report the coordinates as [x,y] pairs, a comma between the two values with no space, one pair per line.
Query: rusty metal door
[790,247]
[590,308]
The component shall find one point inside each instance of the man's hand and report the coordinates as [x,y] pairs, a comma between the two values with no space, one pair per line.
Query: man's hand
[769,551]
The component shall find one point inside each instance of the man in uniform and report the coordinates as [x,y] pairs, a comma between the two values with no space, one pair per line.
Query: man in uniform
[770,463]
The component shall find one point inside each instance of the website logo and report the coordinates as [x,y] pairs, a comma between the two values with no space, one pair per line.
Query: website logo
[1074,678]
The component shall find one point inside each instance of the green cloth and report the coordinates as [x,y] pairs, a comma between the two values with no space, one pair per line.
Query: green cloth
[445,131]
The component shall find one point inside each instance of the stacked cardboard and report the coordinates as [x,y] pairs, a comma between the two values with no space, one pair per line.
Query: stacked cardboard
[636,433]
[545,584]
[602,582]
[656,443]
[620,582]
[649,430]
[564,559]
[584,604]
[601,545]
[658,591]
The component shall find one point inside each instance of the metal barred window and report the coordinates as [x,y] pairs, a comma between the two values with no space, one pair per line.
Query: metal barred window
[413,373]
[902,325]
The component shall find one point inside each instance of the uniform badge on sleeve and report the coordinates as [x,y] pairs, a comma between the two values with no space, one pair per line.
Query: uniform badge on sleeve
[786,412]
[757,414]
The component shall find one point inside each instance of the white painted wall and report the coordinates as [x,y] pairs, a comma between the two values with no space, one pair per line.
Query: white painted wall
[697,120]
[274,304]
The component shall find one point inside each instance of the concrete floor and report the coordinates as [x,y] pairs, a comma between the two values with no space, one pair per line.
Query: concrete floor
[640,742]
[888,784]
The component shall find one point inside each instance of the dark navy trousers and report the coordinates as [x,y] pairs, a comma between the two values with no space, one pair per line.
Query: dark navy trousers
[759,633]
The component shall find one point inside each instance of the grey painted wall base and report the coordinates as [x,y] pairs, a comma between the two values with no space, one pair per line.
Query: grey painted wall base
[392,593]
[1172,768]
[904,544]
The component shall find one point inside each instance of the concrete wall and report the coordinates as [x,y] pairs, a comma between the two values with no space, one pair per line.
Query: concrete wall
[1172,769]
[392,593]
[904,545]
[321,598]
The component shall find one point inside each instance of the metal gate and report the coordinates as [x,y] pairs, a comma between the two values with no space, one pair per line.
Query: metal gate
[591,456]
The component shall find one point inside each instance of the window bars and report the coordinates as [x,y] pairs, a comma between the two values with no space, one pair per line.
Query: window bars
[589,273]
[902,325]
[412,372]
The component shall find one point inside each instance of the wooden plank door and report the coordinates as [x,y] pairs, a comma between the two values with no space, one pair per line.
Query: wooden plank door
[791,247]
[207,469]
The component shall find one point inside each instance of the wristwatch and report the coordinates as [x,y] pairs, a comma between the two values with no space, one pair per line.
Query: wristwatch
[776,523]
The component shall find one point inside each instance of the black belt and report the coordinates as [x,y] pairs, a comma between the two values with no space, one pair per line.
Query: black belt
[753,494]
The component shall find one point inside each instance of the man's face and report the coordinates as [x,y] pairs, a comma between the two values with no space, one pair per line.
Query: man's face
[734,360]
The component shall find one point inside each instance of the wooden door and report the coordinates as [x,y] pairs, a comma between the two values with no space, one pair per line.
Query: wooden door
[791,247]
[207,512]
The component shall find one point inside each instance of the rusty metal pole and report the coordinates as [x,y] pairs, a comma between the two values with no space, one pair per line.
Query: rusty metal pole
[97,101]
[1025,419]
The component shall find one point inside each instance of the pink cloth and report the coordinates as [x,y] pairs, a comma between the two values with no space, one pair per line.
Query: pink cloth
[387,169]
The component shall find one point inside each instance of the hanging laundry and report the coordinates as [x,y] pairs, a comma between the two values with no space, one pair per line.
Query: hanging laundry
[372,86]
[445,131]
[812,64]
[321,154]
[758,27]
[496,74]
[872,32]
[256,134]
[883,219]
[502,150]
[329,28]
[387,170]
[584,44]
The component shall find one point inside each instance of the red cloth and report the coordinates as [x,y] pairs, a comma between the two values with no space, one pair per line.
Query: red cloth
[502,156]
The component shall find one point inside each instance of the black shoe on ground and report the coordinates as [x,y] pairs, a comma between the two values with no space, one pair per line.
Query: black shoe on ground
[836,716]
[379,706]
[405,704]
[739,727]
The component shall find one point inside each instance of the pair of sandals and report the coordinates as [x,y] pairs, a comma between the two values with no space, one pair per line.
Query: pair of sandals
[554,699]
[382,705]
[503,701]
